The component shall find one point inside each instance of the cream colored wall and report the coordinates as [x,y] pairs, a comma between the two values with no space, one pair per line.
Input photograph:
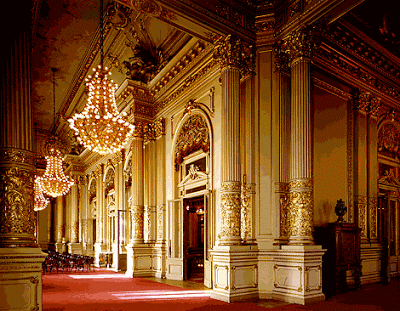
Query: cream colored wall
[43,226]
[330,155]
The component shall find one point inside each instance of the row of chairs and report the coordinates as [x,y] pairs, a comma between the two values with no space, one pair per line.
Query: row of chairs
[65,262]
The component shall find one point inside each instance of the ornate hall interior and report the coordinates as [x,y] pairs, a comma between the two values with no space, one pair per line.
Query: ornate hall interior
[253,145]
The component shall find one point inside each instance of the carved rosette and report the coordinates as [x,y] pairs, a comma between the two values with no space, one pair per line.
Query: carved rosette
[137,213]
[231,52]
[300,211]
[361,207]
[365,102]
[17,220]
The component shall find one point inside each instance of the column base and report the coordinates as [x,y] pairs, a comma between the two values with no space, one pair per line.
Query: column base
[139,260]
[235,272]
[298,274]
[75,248]
[21,278]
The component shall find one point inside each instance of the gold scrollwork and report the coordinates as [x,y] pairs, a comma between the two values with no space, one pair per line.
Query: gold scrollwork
[16,201]
[301,183]
[301,213]
[13,155]
[230,215]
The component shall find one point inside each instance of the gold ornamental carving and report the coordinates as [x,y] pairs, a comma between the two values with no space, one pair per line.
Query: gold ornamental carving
[245,221]
[234,186]
[305,183]
[137,216]
[230,215]
[302,43]
[301,213]
[389,141]
[231,52]
[159,128]
[366,103]
[373,208]
[12,155]
[16,201]
[361,205]
[160,222]
[284,204]
[194,136]
[118,158]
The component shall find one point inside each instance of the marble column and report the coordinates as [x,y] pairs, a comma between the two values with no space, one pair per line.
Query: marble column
[20,257]
[299,260]
[137,251]
[366,109]
[100,245]
[301,184]
[60,228]
[232,259]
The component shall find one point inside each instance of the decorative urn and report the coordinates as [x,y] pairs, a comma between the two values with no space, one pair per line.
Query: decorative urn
[340,210]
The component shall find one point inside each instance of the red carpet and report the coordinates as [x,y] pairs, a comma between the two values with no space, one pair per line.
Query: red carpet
[109,291]
[116,292]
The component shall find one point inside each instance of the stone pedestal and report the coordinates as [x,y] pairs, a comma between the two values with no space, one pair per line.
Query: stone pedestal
[160,254]
[235,272]
[139,260]
[297,274]
[21,278]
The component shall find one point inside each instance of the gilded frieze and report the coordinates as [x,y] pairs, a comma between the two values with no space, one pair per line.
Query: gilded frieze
[194,136]
[231,186]
[361,206]
[301,213]
[230,215]
[16,201]
[305,183]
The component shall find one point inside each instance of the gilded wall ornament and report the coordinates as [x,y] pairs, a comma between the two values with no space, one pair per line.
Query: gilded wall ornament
[246,213]
[160,222]
[361,205]
[194,136]
[284,204]
[159,128]
[373,213]
[118,15]
[230,215]
[12,155]
[137,215]
[16,201]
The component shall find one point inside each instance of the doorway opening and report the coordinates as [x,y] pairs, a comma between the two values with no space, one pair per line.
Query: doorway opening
[193,239]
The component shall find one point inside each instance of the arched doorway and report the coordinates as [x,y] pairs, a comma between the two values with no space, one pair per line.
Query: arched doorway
[190,213]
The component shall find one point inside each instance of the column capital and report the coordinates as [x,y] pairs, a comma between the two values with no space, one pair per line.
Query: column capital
[139,129]
[119,157]
[363,101]
[302,43]
[99,171]
[232,52]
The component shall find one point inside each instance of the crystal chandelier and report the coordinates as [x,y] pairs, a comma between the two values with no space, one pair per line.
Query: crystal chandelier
[40,202]
[100,127]
[54,182]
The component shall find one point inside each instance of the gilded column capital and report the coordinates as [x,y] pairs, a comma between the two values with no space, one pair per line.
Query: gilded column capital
[366,103]
[159,127]
[281,56]
[119,157]
[302,43]
[139,129]
[99,171]
[149,133]
[231,52]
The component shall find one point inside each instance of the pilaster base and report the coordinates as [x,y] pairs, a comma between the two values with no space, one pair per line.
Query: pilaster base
[160,254]
[235,272]
[98,250]
[21,278]
[75,248]
[139,260]
[298,274]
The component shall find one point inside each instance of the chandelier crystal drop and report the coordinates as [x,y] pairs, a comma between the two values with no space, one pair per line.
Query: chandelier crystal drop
[40,202]
[54,182]
[100,127]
